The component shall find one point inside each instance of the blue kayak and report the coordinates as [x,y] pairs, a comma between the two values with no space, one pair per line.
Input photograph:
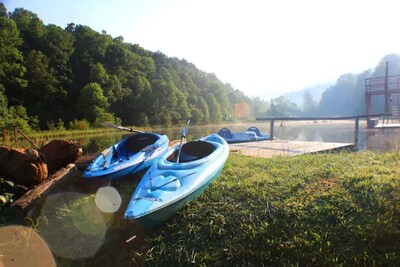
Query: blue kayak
[130,155]
[252,134]
[167,186]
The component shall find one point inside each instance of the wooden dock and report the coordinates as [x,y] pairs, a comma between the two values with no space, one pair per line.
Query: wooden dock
[387,125]
[275,148]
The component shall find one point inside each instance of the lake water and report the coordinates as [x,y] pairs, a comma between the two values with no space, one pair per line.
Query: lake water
[331,131]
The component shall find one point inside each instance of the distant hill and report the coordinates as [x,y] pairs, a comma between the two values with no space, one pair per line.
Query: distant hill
[315,91]
[343,97]
[297,96]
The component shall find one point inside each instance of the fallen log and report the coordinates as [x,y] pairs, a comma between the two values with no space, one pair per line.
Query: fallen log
[56,180]
[59,179]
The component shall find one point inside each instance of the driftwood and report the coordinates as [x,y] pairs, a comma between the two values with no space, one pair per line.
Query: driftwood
[23,166]
[60,178]
[59,153]
[31,167]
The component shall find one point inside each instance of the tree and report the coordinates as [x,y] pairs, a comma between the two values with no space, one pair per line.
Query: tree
[282,107]
[309,105]
[217,89]
[11,60]
[3,108]
[18,118]
[214,108]
[169,104]
[98,74]
[133,102]
[258,107]
[43,97]
[338,100]
[58,47]
[3,11]
[30,27]
[89,48]
[92,104]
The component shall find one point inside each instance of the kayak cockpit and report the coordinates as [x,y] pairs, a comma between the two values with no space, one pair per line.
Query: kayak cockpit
[132,145]
[192,151]
[137,142]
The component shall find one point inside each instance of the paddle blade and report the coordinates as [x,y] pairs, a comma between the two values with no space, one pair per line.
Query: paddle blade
[185,129]
[111,125]
[108,124]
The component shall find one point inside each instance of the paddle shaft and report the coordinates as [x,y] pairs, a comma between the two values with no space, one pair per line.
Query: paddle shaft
[184,132]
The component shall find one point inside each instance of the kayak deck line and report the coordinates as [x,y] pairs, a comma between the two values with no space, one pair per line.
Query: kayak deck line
[169,182]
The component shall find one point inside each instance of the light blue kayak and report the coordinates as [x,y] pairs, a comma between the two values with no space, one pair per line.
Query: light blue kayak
[252,134]
[167,186]
[130,155]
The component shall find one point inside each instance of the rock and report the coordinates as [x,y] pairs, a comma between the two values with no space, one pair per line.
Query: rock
[24,166]
[59,153]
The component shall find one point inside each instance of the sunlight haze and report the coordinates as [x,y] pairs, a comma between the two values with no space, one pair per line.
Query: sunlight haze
[260,47]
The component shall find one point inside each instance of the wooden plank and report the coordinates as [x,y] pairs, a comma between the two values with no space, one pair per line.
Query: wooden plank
[274,148]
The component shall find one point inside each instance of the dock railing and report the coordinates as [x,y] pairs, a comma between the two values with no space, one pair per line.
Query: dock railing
[355,118]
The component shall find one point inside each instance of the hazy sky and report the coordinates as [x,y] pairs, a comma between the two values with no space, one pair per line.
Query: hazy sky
[261,47]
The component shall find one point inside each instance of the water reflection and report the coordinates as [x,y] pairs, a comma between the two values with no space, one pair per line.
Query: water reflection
[326,131]
[383,139]
[96,144]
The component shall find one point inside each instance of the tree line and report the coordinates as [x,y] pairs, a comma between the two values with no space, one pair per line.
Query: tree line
[75,78]
[345,98]
[55,78]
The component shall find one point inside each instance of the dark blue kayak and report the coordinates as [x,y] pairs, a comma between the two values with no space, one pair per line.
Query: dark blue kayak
[167,186]
[252,134]
[130,155]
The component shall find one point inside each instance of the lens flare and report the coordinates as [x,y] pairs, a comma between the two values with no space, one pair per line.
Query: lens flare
[108,199]
[72,225]
[22,246]
[241,110]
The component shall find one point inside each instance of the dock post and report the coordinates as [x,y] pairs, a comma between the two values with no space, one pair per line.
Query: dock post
[271,130]
[356,131]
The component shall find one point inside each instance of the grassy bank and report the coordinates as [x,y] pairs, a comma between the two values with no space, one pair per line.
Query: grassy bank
[308,210]
[318,210]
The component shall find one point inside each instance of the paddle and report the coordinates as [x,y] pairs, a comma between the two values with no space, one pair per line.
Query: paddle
[111,125]
[184,132]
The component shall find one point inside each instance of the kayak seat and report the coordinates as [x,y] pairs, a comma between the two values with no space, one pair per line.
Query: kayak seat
[114,152]
[137,142]
[254,129]
[225,133]
[192,151]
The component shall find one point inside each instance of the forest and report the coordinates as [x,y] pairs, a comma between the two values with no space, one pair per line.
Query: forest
[53,78]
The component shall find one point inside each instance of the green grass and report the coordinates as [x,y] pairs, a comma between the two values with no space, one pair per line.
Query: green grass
[310,210]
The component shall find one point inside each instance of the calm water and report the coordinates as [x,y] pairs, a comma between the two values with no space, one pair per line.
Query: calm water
[341,132]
